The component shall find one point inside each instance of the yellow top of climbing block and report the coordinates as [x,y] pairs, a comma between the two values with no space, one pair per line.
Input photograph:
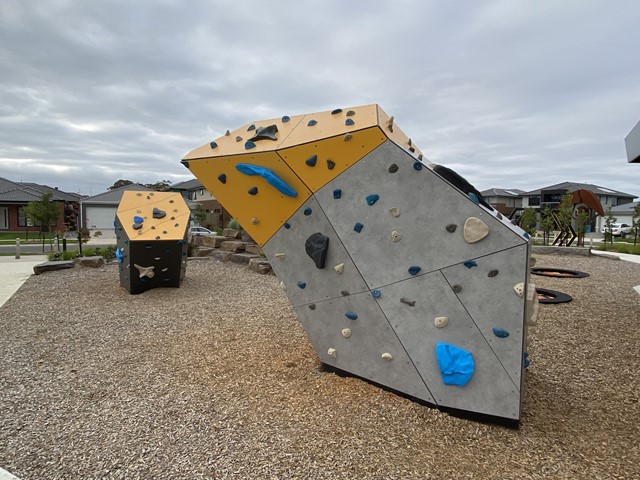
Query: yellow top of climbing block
[165,215]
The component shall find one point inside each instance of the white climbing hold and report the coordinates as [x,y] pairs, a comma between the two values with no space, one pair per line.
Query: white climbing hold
[332,352]
[339,268]
[145,271]
[284,287]
[441,322]
[532,261]
[395,236]
[346,332]
[281,255]
[475,230]
[519,289]
[395,211]
[387,357]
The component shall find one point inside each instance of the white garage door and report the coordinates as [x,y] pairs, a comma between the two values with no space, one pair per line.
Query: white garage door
[100,218]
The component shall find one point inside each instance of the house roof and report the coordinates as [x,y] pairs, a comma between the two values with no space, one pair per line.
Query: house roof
[21,192]
[55,193]
[188,185]
[19,195]
[112,197]
[626,208]
[502,192]
[572,186]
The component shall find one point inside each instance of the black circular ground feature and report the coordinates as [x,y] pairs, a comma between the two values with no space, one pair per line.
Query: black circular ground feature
[558,272]
[552,296]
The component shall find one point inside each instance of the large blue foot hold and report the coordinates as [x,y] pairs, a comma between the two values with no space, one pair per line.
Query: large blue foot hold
[456,365]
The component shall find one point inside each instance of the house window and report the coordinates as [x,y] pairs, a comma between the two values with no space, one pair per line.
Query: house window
[534,201]
[23,221]
[201,191]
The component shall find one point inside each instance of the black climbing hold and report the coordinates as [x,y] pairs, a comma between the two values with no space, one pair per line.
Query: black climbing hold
[460,183]
[456,288]
[311,123]
[157,213]
[451,227]
[287,225]
[249,145]
[331,164]
[493,273]
[371,199]
[227,133]
[312,306]
[252,190]
[137,226]
[358,227]
[307,212]
[311,161]
[185,163]
[393,168]
[500,332]
[222,178]
[345,293]
[350,113]
[213,144]
[470,263]
[285,119]
[251,127]
[413,270]
[412,150]
[158,238]
[348,122]
[417,165]
[265,133]
[337,193]
[302,284]
[411,303]
[336,111]
[316,247]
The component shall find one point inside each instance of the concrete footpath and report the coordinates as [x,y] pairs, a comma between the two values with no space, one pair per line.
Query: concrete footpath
[13,273]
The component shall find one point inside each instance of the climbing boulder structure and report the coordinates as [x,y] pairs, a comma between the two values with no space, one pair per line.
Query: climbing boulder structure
[397,269]
[151,240]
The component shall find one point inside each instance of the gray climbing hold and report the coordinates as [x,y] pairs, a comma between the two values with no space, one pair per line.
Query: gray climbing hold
[345,293]
[451,228]
[350,113]
[391,124]
[227,133]
[331,164]
[312,306]
[302,285]
[311,161]
[358,227]
[395,211]
[411,303]
[395,236]
[265,133]
[492,273]
[238,138]
[337,193]
[500,332]
[414,269]
[371,199]
[137,226]
[393,168]
[251,127]
[351,315]
[317,246]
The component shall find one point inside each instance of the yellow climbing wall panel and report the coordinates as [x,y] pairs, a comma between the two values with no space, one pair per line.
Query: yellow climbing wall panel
[169,207]
[339,153]
[262,213]
[396,135]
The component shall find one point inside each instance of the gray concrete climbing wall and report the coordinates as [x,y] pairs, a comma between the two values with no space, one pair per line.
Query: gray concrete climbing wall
[397,270]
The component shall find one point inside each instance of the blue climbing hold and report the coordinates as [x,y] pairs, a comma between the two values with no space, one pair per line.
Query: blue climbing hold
[249,145]
[371,199]
[119,255]
[302,284]
[456,365]
[417,165]
[252,190]
[138,219]
[414,270]
[271,178]
[526,235]
[222,178]
[312,123]
[470,263]
[500,332]
[351,315]
[307,212]
[474,198]
[287,225]
[358,227]
[213,144]
[348,122]
[285,119]
[526,360]
[251,127]
[311,161]
[375,293]
[337,193]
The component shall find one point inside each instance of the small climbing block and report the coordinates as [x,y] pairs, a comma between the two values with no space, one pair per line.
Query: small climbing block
[456,365]
[470,263]
[331,164]
[157,213]
[251,127]
[411,303]
[307,212]
[414,270]
[285,119]
[302,285]
[493,273]
[417,165]
[500,332]
[253,191]
[311,161]
[336,111]
[371,199]
[213,145]
[287,225]
[351,315]
[358,227]
[337,193]
[393,168]
[222,178]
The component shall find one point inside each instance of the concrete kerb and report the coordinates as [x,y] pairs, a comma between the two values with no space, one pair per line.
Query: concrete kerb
[13,273]
[4,475]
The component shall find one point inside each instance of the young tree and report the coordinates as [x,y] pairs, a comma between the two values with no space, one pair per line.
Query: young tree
[159,186]
[635,223]
[528,221]
[44,212]
[120,183]
[608,223]
[582,220]
[199,215]
[546,224]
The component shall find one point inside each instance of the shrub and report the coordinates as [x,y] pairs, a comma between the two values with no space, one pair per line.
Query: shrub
[54,256]
[233,223]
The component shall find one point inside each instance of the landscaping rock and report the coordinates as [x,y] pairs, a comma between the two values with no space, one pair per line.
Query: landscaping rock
[196,240]
[260,265]
[51,266]
[221,255]
[232,232]
[243,258]
[233,246]
[201,251]
[94,261]
[216,241]
[253,248]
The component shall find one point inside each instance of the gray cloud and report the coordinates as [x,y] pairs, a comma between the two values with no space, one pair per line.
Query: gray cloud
[509,93]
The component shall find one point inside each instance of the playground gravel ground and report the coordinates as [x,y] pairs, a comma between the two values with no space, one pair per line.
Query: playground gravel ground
[217,380]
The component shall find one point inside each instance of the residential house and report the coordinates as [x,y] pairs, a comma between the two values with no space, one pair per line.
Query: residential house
[216,215]
[503,200]
[14,197]
[624,213]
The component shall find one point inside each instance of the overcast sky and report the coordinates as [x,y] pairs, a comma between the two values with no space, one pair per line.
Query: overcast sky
[510,94]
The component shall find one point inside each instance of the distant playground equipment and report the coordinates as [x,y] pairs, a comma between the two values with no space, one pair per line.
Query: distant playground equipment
[557,272]
[151,233]
[552,296]
[398,270]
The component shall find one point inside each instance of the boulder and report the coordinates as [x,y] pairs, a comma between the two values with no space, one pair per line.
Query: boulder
[243,258]
[201,251]
[221,255]
[94,261]
[260,265]
[253,248]
[233,246]
[216,241]
[232,232]
[197,240]
[51,266]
